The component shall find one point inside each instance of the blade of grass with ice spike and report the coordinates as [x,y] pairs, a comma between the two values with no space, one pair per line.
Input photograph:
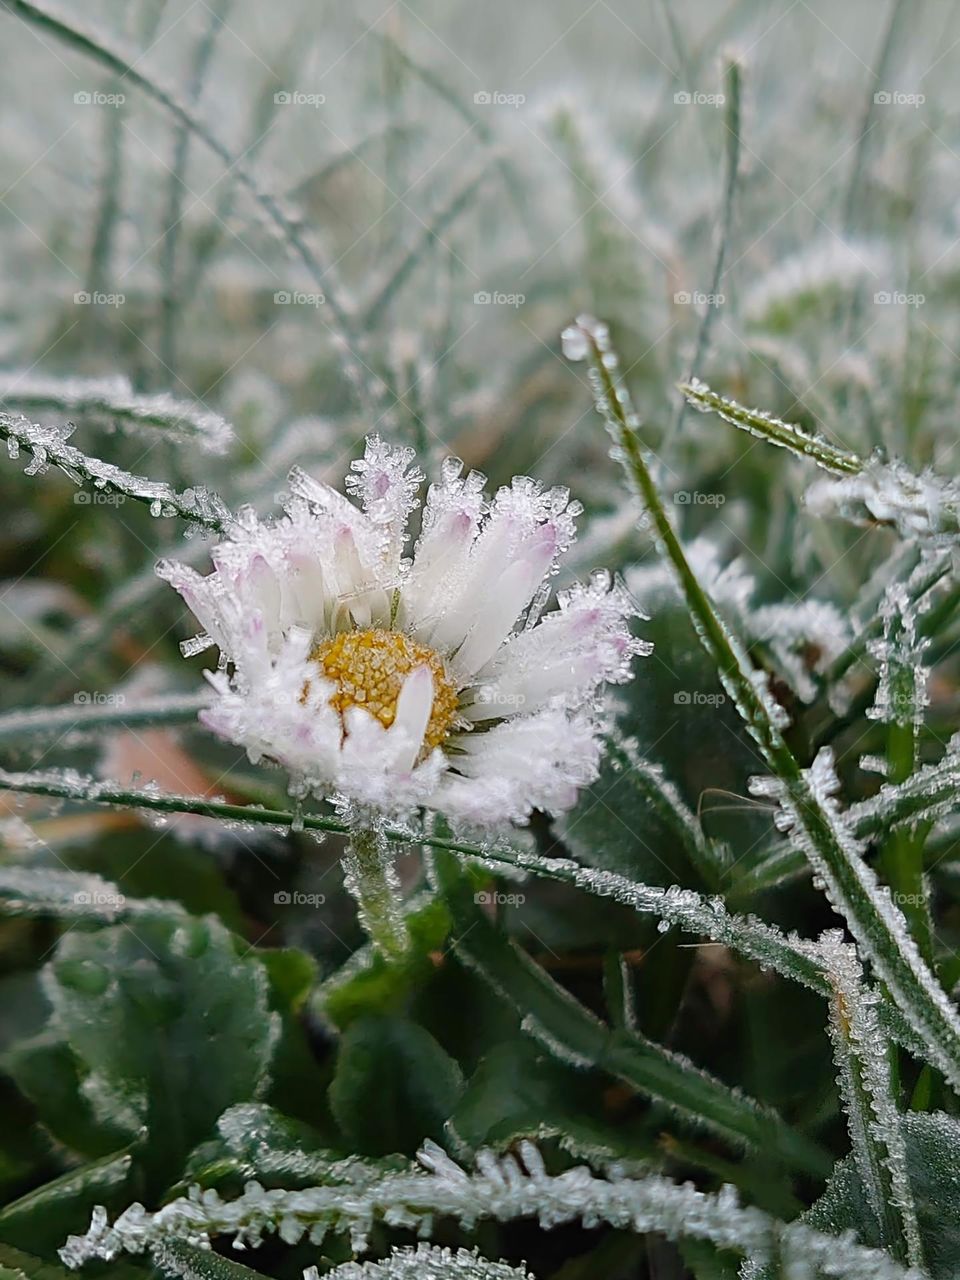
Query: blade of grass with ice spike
[932,793]
[876,923]
[117,61]
[765,426]
[900,701]
[578,1038]
[708,917]
[503,1189]
[48,447]
[867,1091]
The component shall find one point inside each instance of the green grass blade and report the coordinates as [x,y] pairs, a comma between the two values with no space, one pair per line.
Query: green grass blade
[851,884]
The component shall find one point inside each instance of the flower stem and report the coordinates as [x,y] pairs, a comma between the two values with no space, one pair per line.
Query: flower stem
[371,876]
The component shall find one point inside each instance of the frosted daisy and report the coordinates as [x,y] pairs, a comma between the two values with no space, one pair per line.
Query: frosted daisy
[386,683]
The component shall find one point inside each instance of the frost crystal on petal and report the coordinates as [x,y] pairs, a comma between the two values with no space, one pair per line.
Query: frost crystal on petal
[520,700]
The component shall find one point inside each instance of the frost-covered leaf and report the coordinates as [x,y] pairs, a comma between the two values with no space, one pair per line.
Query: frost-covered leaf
[632,810]
[179,1258]
[40,1219]
[170,1024]
[552,1017]
[77,720]
[766,427]
[255,1141]
[932,1141]
[868,1093]
[27,890]
[924,507]
[47,1073]
[518,1091]
[394,1085]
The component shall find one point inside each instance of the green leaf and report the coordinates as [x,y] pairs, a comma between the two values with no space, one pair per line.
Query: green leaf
[633,820]
[42,1219]
[394,1086]
[48,1073]
[34,1268]
[765,426]
[368,984]
[932,1141]
[178,1258]
[170,1026]
[257,1142]
[519,1091]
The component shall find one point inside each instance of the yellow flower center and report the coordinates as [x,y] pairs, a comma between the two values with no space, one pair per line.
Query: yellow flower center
[369,667]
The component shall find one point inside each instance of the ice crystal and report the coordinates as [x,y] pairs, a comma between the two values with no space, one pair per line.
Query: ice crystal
[804,638]
[867,1089]
[901,696]
[924,507]
[503,1189]
[876,922]
[48,446]
[426,1262]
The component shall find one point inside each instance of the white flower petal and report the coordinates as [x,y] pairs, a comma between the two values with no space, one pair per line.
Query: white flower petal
[280,589]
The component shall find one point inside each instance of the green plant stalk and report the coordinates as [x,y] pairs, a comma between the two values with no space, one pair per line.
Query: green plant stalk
[369,875]
[850,882]
[173,215]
